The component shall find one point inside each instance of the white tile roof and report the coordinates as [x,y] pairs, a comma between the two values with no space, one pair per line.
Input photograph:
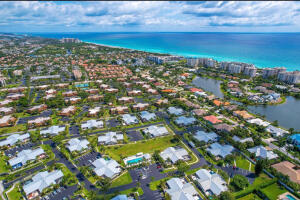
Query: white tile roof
[77,145]
[91,124]
[156,131]
[107,168]
[93,111]
[129,119]
[183,120]
[220,150]
[26,155]
[110,138]
[175,111]
[53,130]
[206,137]
[5,119]
[212,182]
[261,151]
[39,120]
[174,154]
[12,139]
[179,190]
[145,115]
[258,122]
[42,180]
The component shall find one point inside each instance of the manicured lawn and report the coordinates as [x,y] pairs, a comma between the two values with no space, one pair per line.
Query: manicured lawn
[15,194]
[250,197]
[132,190]
[273,191]
[15,128]
[3,165]
[192,171]
[154,184]
[72,180]
[209,159]
[122,180]
[116,152]
[243,164]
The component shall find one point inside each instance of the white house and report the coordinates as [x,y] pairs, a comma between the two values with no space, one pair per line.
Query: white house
[92,124]
[175,154]
[156,131]
[110,138]
[53,130]
[179,189]
[14,138]
[106,168]
[77,145]
[262,152]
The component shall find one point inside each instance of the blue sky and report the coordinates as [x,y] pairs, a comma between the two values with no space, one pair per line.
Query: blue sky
[160,16]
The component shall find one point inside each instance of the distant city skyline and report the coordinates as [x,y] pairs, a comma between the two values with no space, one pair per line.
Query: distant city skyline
[160,16]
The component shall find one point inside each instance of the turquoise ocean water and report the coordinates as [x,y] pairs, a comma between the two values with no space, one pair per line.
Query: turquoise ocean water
[261,49]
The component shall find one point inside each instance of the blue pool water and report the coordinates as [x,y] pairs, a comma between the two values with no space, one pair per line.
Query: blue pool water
[261,49]
[290,197]
[134,161]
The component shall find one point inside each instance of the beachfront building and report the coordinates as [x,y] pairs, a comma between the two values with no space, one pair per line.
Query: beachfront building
[156,131]
[106,168]
[210,182]
[174,154]
[40,181]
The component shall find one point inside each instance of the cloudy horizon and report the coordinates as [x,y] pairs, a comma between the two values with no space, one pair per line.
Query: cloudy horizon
[160,16]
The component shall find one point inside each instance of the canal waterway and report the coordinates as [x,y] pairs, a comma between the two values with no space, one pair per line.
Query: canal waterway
[287,114]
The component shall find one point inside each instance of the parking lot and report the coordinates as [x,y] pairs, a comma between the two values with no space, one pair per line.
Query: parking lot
[112,123]
[74,130]
[139,100]
[24,120]
[15,150]
[134,135]
[61,193]
[87,159]
[65,119]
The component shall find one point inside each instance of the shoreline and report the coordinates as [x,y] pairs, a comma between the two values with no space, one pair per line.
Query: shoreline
[185,56]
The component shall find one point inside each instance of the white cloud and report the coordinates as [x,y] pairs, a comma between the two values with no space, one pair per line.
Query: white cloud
[161,15]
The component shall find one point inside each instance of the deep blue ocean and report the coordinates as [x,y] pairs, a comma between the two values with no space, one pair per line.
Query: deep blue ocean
[261,49]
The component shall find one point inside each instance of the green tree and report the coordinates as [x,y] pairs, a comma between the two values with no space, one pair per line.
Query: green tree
[260,164]
[240,182]
[226,196]
[182,167]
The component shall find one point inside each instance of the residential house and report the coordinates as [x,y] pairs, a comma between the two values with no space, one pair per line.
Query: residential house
[77,145]
[68,111]
[110,138]
[95,97]
[161,102]
[5,102]
[156,131]
[275,131]
[51,91]
[289,169]
[179,189]
[140,106]
[219,150]
[26,155]
[210,182]
[92,124]
[129,119]
[124,100]
[106,168]
[258,122]
[175,111]
[147,116]
[69,93]
[93,112]
[152,91]
[212,119]
[185,121]
[242,140]
[223,127]
[92,91]
[242,114]
[38,108]
[40,181]
[206,137]
[111,90]
[15,96]
[52,130]
[40,121]
[14,138]
[73,100]
[134,93]
[174,154]
[6,110]
[119,110]
[262,152]
[199,112]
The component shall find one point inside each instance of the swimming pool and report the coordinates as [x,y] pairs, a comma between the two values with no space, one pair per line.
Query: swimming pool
[290,197]
[136,160]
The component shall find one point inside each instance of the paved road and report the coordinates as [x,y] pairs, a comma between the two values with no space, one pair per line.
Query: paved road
[272,146]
